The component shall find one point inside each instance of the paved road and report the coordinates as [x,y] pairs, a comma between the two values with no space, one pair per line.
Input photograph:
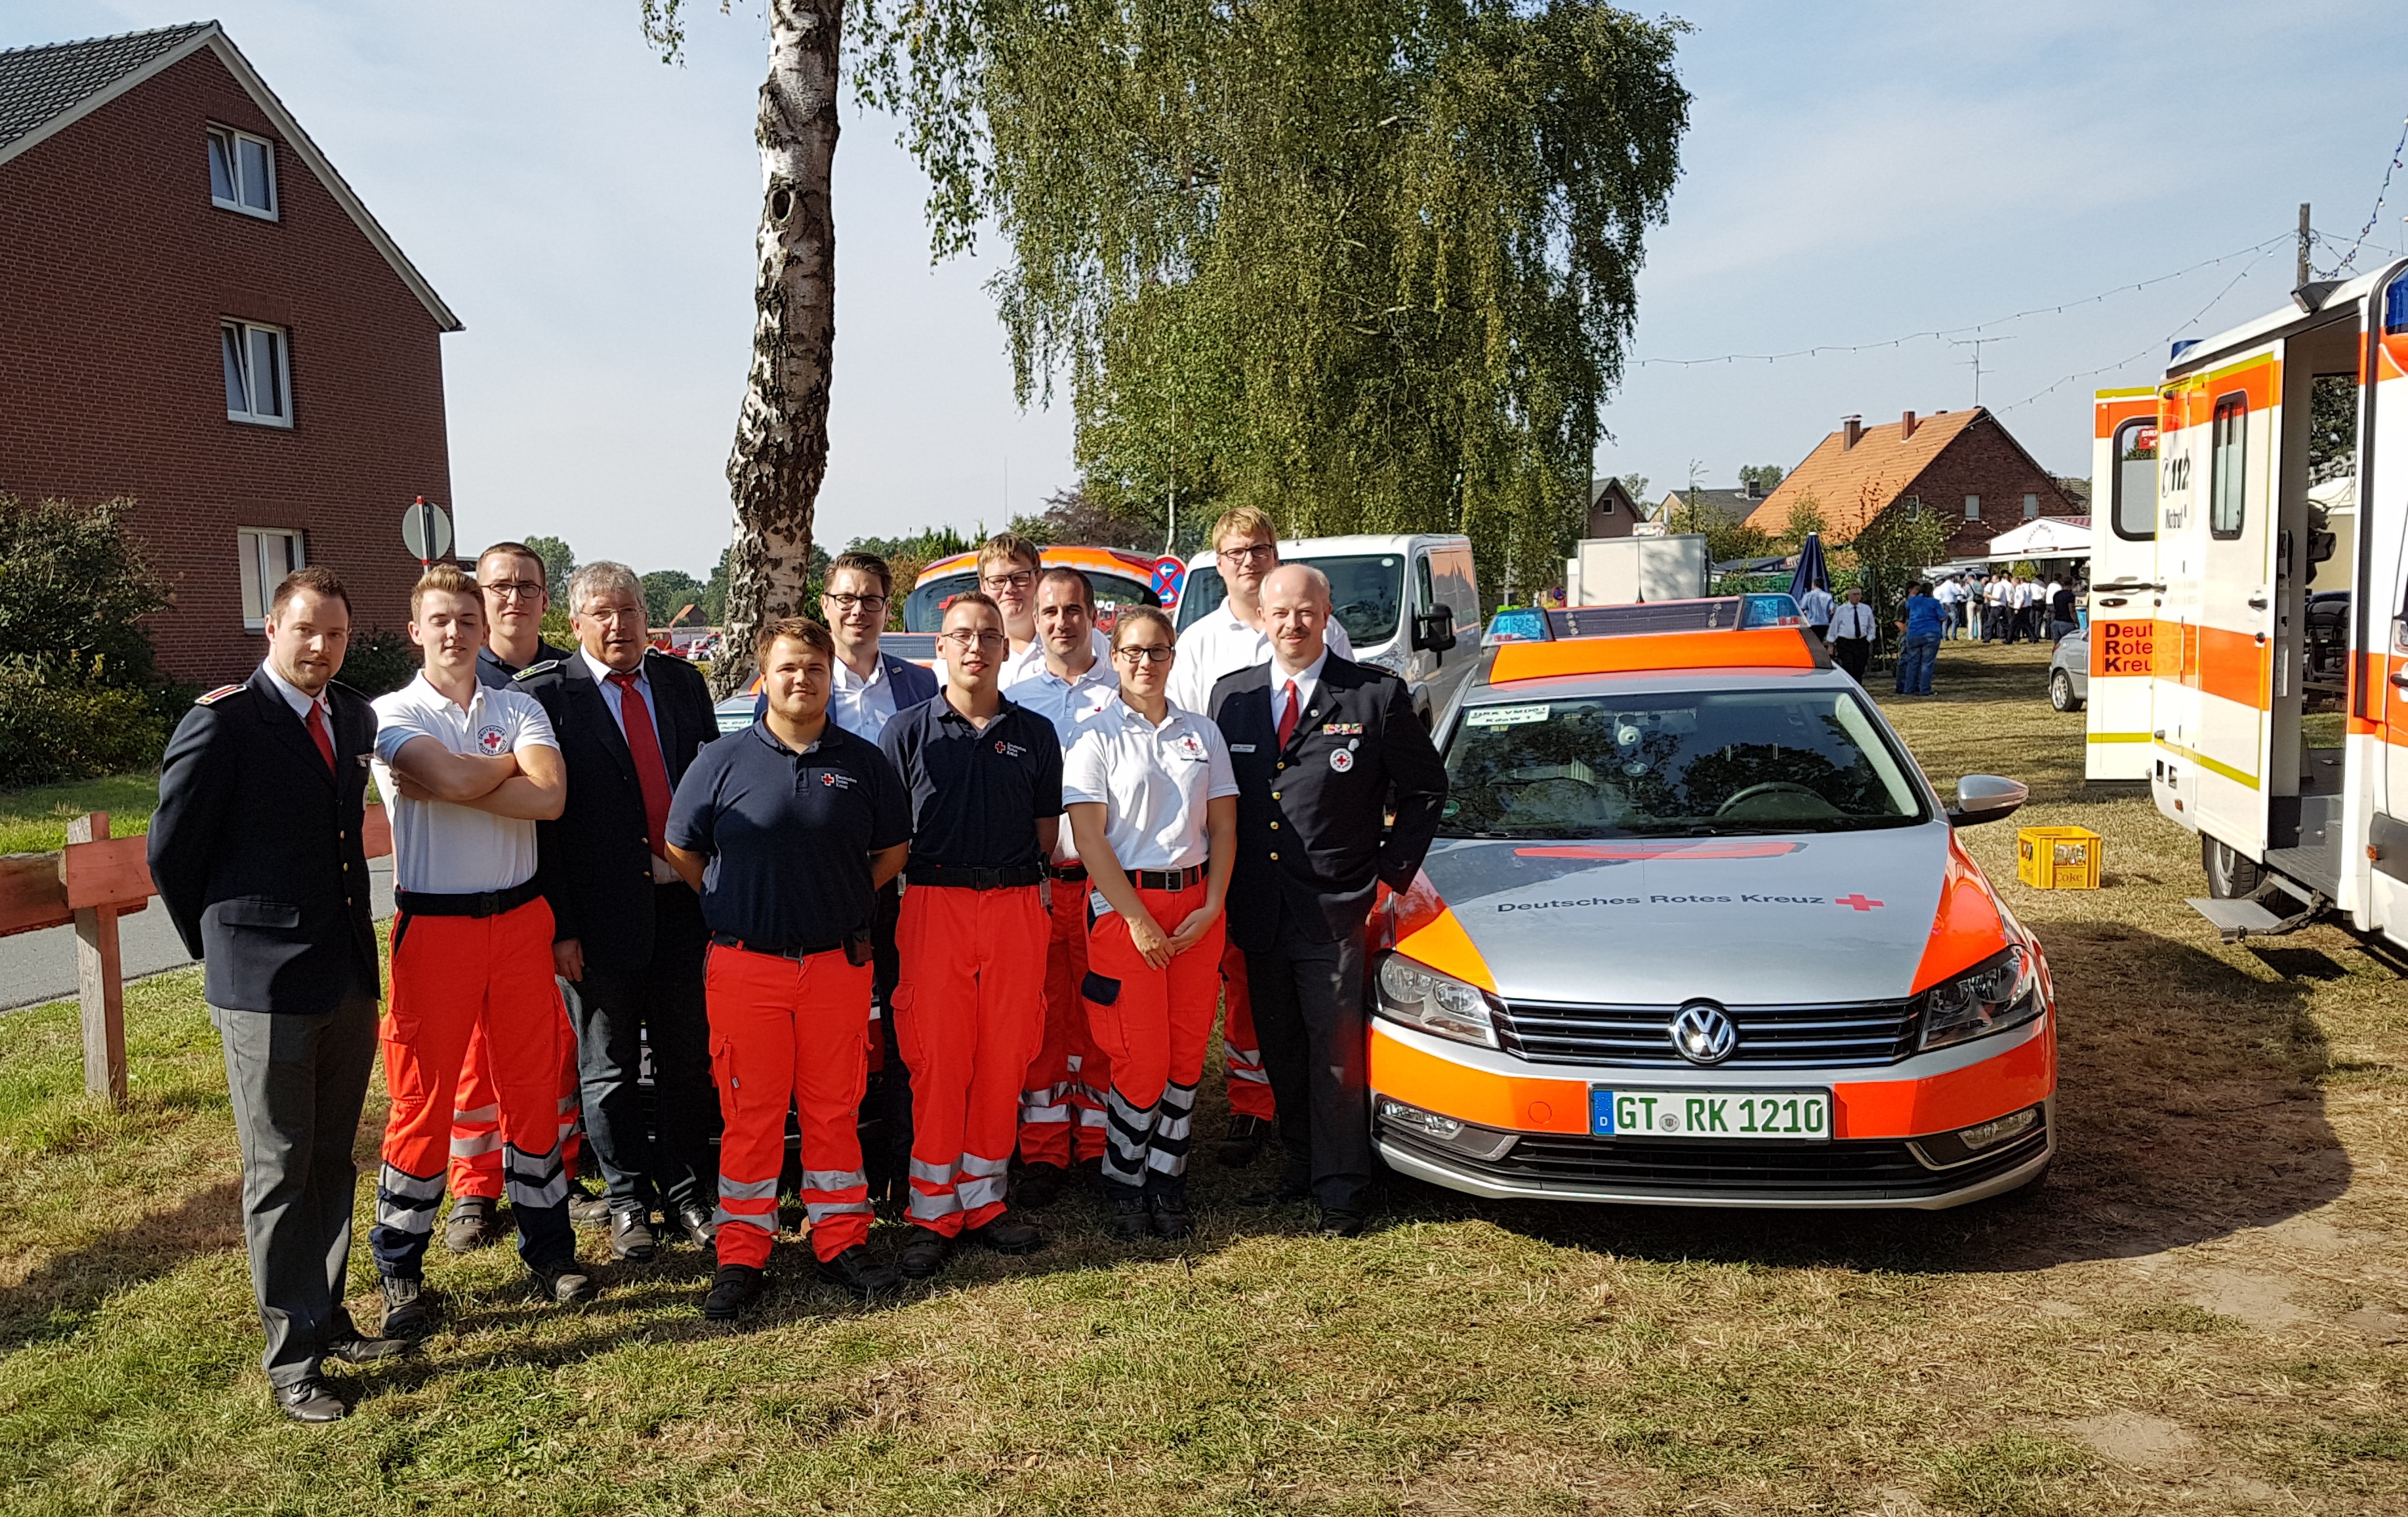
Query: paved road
[36,966]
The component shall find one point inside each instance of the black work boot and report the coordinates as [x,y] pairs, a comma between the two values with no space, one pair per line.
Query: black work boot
[474,1223]
[1040,1185]
[1006,1233]
[925,1253]
[565,1280]
[857,1271]
[632,1239]
[734,1289]
[1170,1216]
[409,1309]
[1243,1142]
[1130,1219]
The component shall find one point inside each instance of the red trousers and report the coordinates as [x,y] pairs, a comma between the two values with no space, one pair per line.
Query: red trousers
[453,978]
[1062,1098]
[1153,1025]
[788,1032]
[477,1118]
[970,1014]
[1250,1083]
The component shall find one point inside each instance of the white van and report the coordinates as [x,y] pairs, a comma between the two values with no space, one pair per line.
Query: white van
[1409,604]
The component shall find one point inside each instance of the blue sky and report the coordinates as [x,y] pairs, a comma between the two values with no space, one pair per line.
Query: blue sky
[1852,174]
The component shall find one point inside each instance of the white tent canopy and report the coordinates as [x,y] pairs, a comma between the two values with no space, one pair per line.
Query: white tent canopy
[2044,536]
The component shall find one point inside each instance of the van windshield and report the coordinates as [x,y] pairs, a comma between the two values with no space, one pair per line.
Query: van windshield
[1675,765]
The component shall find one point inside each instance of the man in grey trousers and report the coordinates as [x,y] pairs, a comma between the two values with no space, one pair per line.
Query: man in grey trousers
[255,851]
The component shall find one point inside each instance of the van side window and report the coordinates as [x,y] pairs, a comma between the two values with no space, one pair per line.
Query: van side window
[1425,597]
[2227,481]
[2133,511]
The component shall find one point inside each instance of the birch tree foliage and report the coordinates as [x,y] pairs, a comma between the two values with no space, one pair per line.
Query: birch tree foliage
[1367,263]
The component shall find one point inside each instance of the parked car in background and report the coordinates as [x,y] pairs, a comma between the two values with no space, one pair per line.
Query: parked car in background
[2069,671]
[1121,578]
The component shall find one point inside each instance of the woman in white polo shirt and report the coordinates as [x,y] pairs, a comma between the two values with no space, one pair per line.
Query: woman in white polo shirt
[1152,803]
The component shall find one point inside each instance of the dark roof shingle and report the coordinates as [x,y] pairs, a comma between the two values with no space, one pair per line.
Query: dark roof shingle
[41,82]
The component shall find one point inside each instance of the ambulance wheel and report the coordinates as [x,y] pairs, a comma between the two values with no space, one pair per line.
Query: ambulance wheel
[2229,877]
[2060,691]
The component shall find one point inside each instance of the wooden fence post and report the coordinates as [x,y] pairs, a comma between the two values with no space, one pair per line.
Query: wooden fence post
[100,981]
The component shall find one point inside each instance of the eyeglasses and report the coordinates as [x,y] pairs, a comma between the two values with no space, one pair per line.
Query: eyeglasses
[850,603]
[968,640]
[1254,552]
[1156,654]
[1020,579]
[514,589]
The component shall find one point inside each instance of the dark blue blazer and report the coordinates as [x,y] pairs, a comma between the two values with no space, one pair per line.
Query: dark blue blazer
[912,684]
[256,848]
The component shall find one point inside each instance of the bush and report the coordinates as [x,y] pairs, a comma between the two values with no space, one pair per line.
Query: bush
[54,732]
[380,660]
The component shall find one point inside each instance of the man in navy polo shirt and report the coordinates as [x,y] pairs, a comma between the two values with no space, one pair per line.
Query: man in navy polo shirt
[985,778]
[789,828]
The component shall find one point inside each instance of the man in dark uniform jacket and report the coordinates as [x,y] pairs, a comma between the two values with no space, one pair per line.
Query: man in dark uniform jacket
[1322,748]
[255,851]
[628,933]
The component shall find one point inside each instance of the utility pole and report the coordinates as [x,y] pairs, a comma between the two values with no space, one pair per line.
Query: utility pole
[2299,281]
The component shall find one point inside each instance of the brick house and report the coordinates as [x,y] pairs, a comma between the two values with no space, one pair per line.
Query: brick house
[1963,466]
[1612,512]
[202,316]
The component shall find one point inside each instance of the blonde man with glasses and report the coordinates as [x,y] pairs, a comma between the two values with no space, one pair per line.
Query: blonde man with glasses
[1231,637]
[1009,566]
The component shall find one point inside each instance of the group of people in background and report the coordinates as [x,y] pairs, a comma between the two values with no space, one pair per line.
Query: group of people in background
[1028,878]
[1999,607]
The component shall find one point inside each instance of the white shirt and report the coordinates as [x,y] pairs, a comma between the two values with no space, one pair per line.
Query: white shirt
[860,706]
[606,678]
[1996,592]
[438,847]
[1030,661]
[1949,593]
[301,700]
[1306,681]
[1220,644]
[1816,607]
[1854,620]
[1067,703]
[1154,783]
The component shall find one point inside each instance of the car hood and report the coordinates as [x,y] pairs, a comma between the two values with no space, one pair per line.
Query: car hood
[1822,917]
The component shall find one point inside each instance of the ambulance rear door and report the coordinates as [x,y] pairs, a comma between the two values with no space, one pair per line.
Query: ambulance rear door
[2378,696]
[2125,588]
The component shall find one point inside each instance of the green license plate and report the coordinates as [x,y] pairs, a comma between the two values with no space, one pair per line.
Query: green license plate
[1783,1116]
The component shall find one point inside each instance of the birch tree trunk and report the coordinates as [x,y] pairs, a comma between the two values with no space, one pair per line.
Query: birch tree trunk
[781,452]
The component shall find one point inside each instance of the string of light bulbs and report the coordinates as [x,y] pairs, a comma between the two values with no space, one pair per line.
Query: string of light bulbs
[2381,193]
[2157,345]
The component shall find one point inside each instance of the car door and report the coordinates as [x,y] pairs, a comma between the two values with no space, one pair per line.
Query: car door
[2124,585]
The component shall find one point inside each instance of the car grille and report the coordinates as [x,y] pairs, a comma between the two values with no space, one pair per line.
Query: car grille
[1865,1170]
[1770,1037]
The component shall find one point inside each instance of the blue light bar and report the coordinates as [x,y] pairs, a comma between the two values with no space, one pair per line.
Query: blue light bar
[1770,610]
[1518,625]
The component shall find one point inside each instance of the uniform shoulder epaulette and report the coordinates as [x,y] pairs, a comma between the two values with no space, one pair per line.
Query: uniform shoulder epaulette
[547,667]
[218,694]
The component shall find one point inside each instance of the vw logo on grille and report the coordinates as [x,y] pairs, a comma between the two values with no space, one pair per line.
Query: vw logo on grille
[1703,1033]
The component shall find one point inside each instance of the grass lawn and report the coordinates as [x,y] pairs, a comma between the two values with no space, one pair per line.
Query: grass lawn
[34,820]
[2204,1310]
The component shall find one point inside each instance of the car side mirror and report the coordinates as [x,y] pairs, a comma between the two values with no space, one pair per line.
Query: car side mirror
[1434,632]
[1986,798]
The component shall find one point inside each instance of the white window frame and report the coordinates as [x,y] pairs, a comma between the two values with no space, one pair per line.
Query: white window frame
[1972,507]
[251,563]
[243,333]
[233,139]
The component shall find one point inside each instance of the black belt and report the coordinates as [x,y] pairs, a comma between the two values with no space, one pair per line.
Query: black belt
[493,903]
[1167,879]
[731,940]
[960,878]
[1072,873]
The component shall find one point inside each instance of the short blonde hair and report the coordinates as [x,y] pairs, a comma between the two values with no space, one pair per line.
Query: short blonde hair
[1011,546]
[444,580]
[1247,522]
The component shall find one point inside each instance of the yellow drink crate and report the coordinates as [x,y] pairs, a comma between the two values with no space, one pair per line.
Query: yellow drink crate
[2058,858]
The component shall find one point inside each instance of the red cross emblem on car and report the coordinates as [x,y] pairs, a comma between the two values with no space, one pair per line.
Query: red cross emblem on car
[1857,902]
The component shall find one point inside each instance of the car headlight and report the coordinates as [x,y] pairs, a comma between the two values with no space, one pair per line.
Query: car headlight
[2002,991]
[1435,1003]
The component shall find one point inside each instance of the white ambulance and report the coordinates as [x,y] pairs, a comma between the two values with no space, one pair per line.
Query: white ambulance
[2255,512]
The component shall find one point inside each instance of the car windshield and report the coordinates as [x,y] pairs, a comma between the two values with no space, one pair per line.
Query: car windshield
[1365,592]
[1702,764]
[923,610]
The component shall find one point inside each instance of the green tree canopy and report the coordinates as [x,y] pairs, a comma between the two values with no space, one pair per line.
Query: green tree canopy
[1369,265]
[666,591]
[559,563]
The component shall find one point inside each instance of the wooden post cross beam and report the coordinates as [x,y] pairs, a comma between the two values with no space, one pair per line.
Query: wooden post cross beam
[100,982]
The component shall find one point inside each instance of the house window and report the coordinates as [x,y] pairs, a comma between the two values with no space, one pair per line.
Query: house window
[267,556]
[2227,504]
[242,173]
[2031,507]
[258,380]
[1972,507]
[1914,508]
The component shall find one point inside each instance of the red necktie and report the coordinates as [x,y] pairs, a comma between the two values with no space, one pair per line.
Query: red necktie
[1288,716]
[317,725]
[644,742]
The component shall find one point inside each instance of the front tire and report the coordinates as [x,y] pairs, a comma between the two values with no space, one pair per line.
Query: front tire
[2229,877]
[2060,691]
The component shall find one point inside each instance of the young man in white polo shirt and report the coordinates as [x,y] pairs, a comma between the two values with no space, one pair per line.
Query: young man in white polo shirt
[1233,637]
[468,772]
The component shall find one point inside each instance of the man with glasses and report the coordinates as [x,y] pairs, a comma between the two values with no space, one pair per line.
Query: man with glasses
[870,688]
[985,782]
[1232,637]
[1008,568]
[513,583]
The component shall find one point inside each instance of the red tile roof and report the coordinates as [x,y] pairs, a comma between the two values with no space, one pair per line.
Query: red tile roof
[1851,486]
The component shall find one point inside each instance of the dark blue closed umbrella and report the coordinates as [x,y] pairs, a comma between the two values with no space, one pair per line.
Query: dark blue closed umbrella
[1811,570]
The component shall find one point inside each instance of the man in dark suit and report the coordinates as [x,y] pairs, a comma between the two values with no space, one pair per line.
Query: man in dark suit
[255,851]
[628,933]
[1323,748]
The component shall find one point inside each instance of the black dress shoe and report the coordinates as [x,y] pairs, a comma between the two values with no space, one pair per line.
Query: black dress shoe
[631,1237]
[693,1219]
[857,1271]
[311,1400]
[1169,1218]
[925,1254]
[1342,1224]
[1040,1185]
[475,1221]
[1243,1142]
[733,1289]
[565,1280]
[586,1207]
[356,1350]
[1292,1187]
[1006,1233]
[409,1309]
[1130,1220]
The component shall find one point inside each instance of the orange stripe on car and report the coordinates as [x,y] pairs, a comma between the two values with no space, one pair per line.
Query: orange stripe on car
[1444,945]
[2021,1076]
[1758,648]
[1967,929]
[1468,1094]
